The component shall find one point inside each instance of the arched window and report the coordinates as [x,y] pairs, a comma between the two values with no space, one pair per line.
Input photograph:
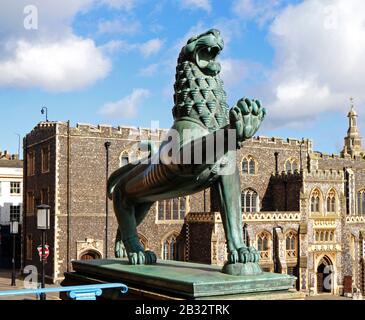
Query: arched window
[172,209]
[172,248]
[325,235]
[291,165]
[143,240]
[123,159]
[182,208]
[175,209]
[291,244]
[264,245]
[250,201]
[331,201]
[249,165]
[316,201]
[361,202]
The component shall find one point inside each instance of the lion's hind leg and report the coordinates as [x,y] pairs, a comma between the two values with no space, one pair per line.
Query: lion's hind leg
[129,215]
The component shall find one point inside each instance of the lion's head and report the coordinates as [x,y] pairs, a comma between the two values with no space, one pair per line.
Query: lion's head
[203,50]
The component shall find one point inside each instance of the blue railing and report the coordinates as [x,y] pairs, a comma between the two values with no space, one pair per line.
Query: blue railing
[87,292]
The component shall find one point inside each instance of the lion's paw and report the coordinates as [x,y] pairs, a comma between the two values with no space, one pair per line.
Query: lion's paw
[142,257]
[233,256]
[120,251]
[248,255]
[255,255]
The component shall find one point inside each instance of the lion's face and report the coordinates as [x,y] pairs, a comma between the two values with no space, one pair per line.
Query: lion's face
[203,51]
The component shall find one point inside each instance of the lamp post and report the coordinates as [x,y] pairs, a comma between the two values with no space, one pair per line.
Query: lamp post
[43,224]
[44,110]
[0,245]
[14,229]
[107,146]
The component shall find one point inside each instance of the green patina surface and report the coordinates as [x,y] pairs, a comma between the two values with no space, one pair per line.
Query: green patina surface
[186,279]
[201,110]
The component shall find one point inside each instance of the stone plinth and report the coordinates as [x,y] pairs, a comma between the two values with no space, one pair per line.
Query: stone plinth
[171,280]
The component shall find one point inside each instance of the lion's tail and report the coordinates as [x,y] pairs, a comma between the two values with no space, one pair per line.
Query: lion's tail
[116,176]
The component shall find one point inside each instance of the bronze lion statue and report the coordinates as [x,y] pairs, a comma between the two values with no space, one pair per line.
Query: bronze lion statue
[200,108]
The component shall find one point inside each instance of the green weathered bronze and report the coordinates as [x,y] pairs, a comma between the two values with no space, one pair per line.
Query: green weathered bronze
[200,106]
[180,279]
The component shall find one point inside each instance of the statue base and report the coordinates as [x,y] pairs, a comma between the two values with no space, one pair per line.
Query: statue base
[172,280]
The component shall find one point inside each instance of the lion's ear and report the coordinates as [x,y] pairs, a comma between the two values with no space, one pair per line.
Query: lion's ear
[192,39]
[189,48]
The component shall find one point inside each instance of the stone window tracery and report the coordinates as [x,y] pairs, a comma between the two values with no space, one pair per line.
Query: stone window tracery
[264,245]
[172,209]
[325,235]
[172,248]
[361,202]
[291,165]
[291,244]
[316,201]
[331,201]
[249,165]
[123,159]
[250,201]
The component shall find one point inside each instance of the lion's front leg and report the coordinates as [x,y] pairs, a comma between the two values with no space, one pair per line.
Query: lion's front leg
[241,260]
[230,200]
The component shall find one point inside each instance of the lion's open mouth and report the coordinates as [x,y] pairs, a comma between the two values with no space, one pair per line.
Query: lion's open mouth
[207,56]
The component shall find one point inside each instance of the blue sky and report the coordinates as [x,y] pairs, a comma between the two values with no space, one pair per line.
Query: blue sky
[113,61]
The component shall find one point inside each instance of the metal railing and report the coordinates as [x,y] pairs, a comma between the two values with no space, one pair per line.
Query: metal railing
[87,292]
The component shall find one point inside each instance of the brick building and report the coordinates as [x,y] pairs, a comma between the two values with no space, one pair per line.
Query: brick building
[303,210]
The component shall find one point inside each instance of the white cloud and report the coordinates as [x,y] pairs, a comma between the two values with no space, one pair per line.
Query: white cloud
[126,107]
[146,49]
[120,4]
[113,46]
[260,10]
[149,71]
[121,26]
[196,4]
[151,47]
[56,66]
[319,60]
[51,57]
[233,71]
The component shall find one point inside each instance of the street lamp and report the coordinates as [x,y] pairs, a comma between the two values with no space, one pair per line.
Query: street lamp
[14,229]
[107,146]
[43,224]
[44,110]
[0,245]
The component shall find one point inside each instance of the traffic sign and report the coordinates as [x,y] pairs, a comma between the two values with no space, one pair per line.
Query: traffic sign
[46,251]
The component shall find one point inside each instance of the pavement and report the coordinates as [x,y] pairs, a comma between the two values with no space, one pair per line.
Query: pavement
[5,285]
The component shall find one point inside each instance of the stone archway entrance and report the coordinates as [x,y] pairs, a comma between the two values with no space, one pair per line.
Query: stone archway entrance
[90,255]
[325,275]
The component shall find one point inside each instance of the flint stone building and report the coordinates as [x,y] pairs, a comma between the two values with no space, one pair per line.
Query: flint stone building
[303,210]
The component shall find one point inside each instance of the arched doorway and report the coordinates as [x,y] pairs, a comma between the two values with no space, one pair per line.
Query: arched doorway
[325,275]
[90,255]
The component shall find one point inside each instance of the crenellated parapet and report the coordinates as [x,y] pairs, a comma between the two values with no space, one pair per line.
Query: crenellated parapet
[287,176]
[100,130]
[324,156]
[282,142]
[324,175]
